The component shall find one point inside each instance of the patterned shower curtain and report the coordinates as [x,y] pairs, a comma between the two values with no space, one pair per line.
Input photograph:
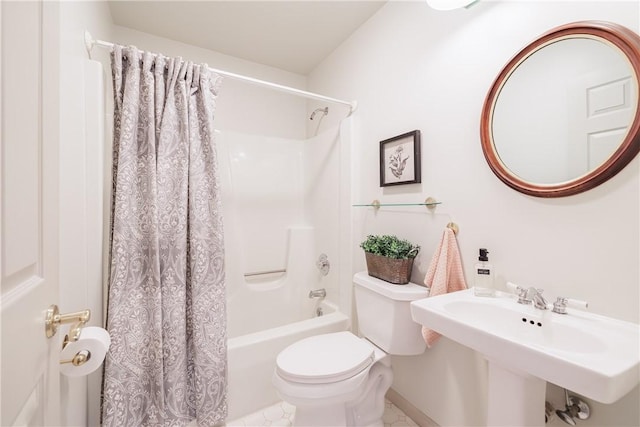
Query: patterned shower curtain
[166,311]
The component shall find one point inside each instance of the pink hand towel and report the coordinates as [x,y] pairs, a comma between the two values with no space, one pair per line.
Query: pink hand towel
[444,275]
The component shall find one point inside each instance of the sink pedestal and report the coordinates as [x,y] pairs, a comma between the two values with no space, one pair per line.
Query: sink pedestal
[515,398]
[589,354]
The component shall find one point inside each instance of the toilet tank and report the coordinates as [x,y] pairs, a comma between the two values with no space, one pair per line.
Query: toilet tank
[384,317]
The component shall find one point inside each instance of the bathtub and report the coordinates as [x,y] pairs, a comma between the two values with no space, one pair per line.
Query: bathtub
[252,357]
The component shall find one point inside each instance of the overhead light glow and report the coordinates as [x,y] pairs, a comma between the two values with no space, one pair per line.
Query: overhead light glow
[450,4]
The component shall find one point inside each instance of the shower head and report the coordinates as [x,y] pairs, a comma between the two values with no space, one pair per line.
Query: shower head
[324,111]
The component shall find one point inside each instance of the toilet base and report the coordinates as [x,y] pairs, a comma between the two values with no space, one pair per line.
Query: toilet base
[369,409]
[364,409]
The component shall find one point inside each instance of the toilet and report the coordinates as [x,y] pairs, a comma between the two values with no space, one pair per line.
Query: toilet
[339,379]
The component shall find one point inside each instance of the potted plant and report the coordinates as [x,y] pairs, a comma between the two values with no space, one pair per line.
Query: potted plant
[389,258]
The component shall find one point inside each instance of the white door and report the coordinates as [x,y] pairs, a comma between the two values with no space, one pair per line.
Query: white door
[29,33]
[601,106]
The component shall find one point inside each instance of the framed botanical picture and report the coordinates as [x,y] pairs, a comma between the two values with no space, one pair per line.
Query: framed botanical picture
[400,159]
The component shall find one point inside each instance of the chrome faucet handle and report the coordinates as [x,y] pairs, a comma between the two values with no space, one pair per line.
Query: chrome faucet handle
[521,293]
[560,306]
[523,296]
[323,264]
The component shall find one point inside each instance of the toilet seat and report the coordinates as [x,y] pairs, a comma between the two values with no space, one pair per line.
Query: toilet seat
[326,358]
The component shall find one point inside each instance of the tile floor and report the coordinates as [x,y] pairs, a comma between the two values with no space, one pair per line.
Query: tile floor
[282,414]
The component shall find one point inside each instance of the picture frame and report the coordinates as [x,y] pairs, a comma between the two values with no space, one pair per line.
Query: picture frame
[400,159]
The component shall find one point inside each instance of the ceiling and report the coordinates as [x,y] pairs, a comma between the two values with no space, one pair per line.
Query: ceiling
[294,35]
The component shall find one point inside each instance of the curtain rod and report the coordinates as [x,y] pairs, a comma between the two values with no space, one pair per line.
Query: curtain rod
[90,43]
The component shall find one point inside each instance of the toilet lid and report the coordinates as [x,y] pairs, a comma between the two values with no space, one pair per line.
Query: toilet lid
[325,358]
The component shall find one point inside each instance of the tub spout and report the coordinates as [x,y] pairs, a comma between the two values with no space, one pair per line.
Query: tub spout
[318,293]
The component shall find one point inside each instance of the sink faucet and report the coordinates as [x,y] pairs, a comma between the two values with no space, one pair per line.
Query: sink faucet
[318,293]
[560,306]
[535,295]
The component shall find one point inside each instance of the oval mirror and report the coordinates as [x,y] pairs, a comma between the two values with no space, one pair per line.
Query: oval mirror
[563,115]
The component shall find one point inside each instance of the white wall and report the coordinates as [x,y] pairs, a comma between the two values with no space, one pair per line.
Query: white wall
[410,67]
[82,194]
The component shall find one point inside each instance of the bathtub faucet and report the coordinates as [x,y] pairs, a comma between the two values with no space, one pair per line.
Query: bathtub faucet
[318,293]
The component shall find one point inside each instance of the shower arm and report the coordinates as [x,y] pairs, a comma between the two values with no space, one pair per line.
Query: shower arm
[90,43]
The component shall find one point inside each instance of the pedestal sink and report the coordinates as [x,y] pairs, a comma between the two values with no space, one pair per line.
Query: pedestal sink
[595,356]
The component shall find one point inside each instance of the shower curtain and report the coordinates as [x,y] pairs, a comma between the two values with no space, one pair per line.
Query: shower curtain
[166,305]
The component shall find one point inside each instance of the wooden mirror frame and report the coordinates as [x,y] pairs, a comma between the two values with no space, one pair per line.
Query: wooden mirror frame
[628,43]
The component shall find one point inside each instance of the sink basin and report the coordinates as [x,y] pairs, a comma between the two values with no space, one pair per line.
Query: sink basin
[589,354]
[525,324]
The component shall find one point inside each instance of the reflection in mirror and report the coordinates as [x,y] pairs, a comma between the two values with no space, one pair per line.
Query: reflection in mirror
[563,115]
[564,110]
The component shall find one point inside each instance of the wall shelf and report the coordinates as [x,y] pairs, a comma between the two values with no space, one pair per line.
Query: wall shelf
[429,203]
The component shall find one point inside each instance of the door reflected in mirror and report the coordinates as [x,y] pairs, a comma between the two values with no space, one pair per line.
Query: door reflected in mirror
[562,116]
[564,111]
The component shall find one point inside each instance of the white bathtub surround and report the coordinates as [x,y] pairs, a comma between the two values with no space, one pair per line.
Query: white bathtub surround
[261,302]
[283,414]
[282,200]
[284,205]
[261,181]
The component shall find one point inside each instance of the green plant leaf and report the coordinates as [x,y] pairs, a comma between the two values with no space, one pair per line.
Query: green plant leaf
[390,246]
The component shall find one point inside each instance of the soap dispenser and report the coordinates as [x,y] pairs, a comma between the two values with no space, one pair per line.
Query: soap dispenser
[483,276]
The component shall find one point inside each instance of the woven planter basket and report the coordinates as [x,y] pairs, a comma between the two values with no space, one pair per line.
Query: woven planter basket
[396,271]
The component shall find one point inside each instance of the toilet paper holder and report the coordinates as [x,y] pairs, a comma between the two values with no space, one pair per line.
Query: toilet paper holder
[79,359]
[53,319]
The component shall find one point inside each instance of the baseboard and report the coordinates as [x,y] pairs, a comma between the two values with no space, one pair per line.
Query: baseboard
[411,411]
